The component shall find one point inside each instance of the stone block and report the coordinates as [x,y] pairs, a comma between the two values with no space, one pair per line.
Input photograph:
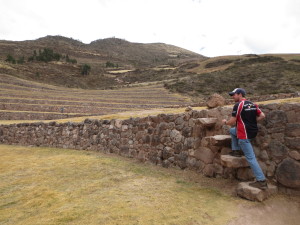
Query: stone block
[288,173]
[294,155]
[244,173]
[276,119]
[175,136]
[118,123]
[207,122]
[293,142]
[225,150]
[255,194]
[209,170]
[277,150]
[233,162]
[204,154]
[292,130]
[219,140]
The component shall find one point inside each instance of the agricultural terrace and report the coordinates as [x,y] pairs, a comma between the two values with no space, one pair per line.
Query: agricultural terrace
[27,100]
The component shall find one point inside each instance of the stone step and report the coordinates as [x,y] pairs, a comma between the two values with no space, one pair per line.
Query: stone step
[234,162]
[255,194]
[219,140]
[207,122]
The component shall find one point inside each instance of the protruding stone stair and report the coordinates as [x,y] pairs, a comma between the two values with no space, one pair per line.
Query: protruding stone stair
[207,122]
[244,190]
[240,163]
[218,140]
[234,162]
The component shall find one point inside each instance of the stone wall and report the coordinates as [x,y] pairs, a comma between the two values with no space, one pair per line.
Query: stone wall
[192,140]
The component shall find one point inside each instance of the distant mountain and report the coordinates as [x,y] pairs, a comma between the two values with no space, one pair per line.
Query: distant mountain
[116,62]
[118,50]
[102,56]
[138,53]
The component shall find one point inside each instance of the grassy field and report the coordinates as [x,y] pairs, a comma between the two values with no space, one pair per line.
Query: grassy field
[60,186]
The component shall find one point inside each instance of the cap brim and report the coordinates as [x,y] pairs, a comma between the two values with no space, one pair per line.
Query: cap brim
[231,93]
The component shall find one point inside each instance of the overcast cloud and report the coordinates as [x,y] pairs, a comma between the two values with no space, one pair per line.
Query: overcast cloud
[208,27]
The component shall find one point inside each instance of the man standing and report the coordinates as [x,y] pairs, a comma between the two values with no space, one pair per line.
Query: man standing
[245,115]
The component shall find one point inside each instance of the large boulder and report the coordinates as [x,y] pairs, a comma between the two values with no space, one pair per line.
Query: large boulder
[215,100]
[288,173]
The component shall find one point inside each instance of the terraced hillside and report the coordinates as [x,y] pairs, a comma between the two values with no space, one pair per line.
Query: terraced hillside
[26,100]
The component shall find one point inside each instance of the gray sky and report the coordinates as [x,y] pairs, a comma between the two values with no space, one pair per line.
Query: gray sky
[208,27]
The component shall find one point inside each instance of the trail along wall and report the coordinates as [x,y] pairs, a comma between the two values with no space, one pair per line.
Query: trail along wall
[192,140]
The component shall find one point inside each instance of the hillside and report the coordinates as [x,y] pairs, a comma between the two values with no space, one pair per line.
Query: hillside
[260,75]
[117,63]
[104,57]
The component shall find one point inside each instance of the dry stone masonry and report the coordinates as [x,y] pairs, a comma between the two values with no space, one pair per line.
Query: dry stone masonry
[193,140]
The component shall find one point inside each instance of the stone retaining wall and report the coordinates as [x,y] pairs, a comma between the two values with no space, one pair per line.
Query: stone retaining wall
[194,140]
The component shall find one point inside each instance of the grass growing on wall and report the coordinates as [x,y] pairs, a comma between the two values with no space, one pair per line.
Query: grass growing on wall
[60,186]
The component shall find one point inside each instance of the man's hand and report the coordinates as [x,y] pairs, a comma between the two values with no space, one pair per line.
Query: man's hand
[260,117]
[230,122]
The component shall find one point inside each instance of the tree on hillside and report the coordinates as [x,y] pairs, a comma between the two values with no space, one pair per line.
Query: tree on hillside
[85,69]
[45,55]
[10,59]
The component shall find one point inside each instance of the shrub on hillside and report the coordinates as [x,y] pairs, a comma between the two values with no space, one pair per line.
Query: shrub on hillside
[110,64]
[10,59]
[85,69]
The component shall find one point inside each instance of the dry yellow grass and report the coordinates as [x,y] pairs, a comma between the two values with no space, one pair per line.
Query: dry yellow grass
[140,113]
[119,102]
[119,71]
[147,98]
[59,186]
[6,66]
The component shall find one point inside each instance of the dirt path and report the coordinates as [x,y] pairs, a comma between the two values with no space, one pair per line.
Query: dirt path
[278,210]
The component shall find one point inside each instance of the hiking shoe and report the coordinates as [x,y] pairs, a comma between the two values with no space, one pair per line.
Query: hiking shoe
[259,184]
[236,153]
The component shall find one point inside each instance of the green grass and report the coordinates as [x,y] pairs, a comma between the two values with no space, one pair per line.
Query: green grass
[60,186]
